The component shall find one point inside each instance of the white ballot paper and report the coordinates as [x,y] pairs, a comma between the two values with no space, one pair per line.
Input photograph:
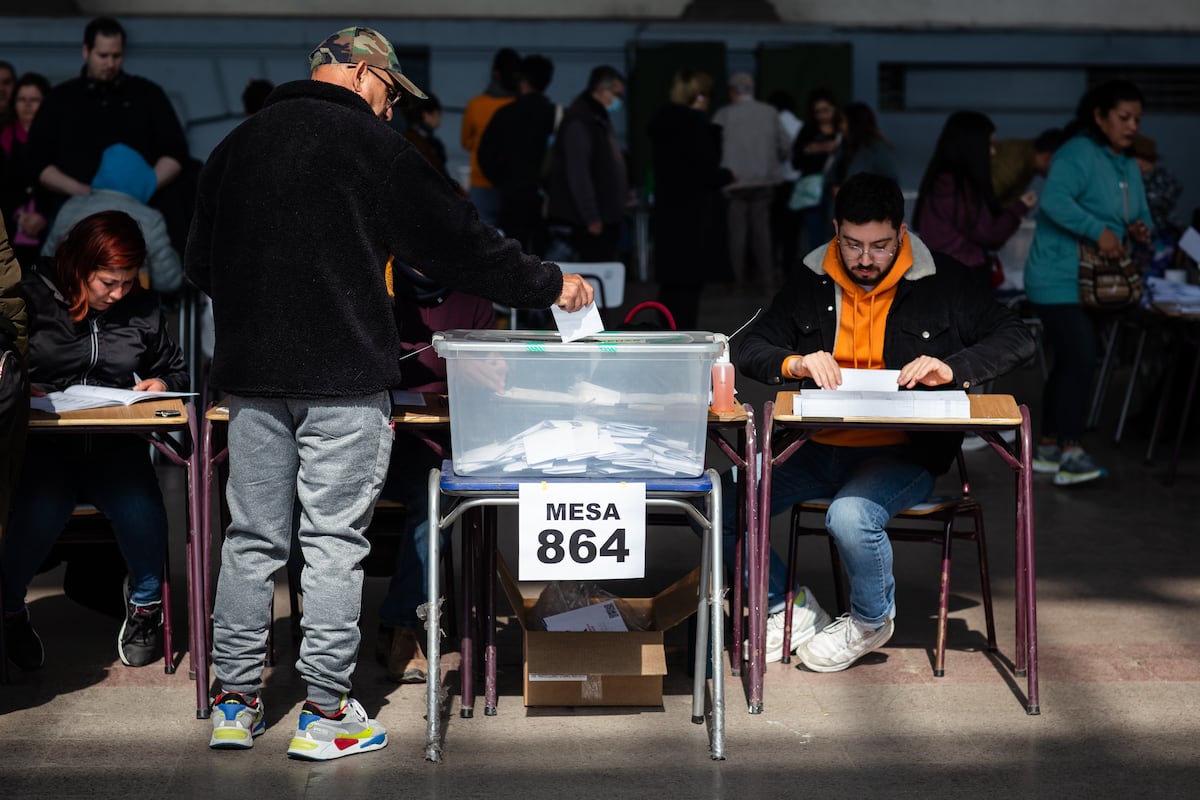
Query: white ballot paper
[596,617]
[869,380]
[1190,243]
[842,404]
[574,325]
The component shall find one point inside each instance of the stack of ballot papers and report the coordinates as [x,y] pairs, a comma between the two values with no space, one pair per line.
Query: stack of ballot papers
[1175,298]
[583,447]
[842,404]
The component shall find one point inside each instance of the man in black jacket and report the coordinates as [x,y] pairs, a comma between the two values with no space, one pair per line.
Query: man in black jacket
[513,148]
[105,105]
[299,209]
[873,298]
[588,180]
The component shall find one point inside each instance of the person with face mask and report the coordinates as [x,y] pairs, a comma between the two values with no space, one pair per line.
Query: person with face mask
[589,184]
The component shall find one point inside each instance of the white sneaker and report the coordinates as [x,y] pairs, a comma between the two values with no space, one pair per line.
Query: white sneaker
[807,618]
[841,643]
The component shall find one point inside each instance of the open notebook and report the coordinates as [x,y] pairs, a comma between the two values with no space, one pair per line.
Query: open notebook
[79,397]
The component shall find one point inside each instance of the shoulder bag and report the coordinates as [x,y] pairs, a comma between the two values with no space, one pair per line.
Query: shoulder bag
[1109,284]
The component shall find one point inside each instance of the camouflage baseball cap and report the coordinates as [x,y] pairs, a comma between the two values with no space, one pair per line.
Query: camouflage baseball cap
[352,45]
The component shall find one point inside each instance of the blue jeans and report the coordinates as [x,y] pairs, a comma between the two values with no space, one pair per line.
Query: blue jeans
[113,473]
[869,485]
[408,483]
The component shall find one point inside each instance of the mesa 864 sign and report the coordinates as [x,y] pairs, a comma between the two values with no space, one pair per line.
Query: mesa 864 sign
[582,531]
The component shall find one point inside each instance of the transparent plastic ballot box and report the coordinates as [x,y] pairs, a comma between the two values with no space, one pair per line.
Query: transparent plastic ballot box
[621,404]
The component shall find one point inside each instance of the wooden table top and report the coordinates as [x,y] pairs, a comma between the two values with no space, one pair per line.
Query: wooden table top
[999,410]
[141,414]
[436,411]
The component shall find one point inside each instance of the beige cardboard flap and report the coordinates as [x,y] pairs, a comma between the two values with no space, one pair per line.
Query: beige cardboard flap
[508,582]
[593,653]
[677,602]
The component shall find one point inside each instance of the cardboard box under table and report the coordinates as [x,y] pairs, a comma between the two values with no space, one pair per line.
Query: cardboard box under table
[600,668]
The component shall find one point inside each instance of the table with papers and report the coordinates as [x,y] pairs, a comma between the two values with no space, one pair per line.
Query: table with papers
[785,431]
[169,424]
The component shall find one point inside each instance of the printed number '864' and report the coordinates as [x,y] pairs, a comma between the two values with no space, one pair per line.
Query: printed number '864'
[582,549]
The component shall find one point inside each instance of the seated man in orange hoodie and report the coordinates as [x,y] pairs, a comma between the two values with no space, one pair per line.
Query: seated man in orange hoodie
[872,298]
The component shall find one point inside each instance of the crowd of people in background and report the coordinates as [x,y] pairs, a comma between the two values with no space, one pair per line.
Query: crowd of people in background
[98,192]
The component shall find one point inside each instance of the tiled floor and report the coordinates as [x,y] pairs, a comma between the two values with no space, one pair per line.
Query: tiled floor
[1119,600]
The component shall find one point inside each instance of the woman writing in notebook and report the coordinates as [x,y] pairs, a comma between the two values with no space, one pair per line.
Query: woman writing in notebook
[90,322]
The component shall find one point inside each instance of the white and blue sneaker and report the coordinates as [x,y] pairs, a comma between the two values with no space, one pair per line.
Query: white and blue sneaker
[322,736]
[236,721]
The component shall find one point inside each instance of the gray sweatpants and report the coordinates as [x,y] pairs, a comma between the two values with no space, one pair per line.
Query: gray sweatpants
[749,218]
[332,456]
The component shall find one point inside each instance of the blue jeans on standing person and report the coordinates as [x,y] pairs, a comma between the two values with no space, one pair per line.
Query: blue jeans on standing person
[408,483]
[869,485]
[112,472]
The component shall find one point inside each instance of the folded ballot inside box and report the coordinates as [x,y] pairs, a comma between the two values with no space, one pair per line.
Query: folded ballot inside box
[614,405]
[842,404]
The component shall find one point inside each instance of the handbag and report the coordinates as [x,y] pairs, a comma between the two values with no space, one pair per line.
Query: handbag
[807,192]
[1110,284]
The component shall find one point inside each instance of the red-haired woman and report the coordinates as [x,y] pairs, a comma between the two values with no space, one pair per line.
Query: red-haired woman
[90,322]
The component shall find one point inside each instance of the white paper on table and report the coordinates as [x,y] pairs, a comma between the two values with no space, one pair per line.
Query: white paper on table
[869,380]
[1190,242]
[943,404]
[574,325]
[83,396]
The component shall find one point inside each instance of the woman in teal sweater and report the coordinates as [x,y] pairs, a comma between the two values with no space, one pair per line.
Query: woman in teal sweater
[1093,194]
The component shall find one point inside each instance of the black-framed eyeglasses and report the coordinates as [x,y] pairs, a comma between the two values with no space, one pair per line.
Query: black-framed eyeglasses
[854,252]
[393,91]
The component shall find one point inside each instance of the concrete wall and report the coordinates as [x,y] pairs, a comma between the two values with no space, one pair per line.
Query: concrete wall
[1148,15]
[204,63]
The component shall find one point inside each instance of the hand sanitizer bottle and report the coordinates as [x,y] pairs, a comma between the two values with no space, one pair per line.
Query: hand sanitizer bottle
[722,384]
